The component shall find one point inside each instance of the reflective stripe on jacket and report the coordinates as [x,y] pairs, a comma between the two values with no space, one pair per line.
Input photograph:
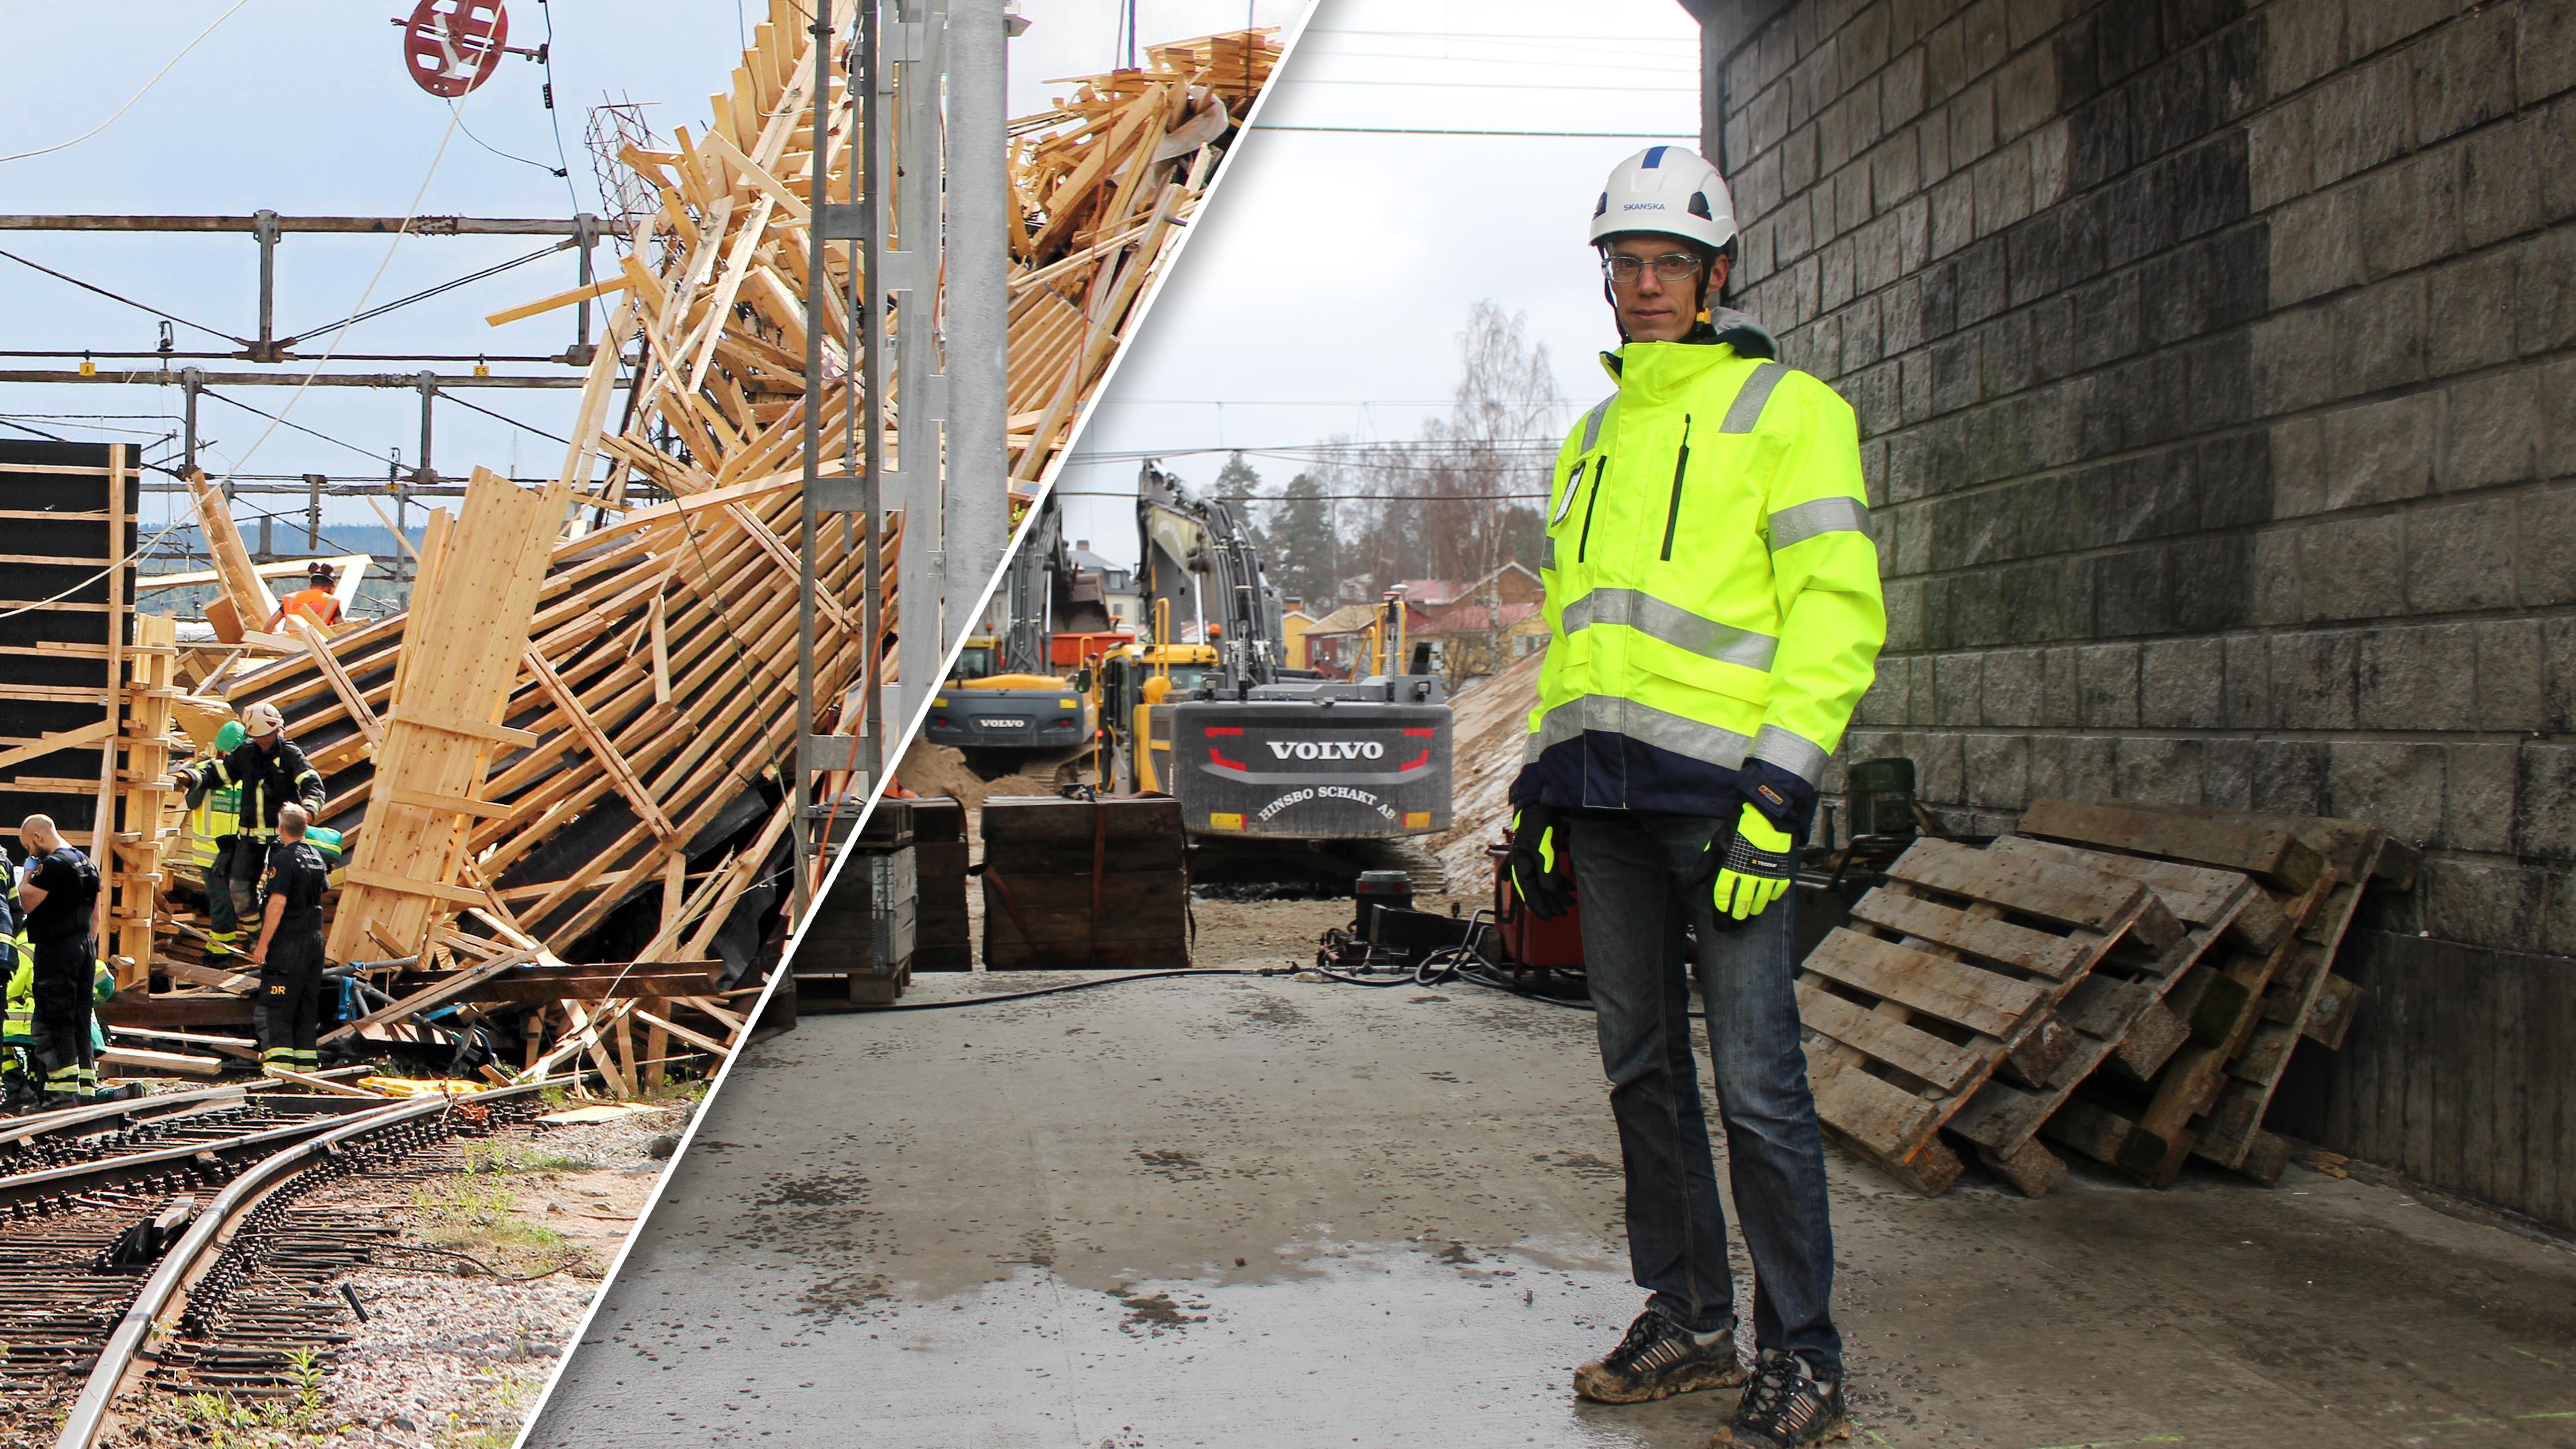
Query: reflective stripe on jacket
[270,780]
[1712,586]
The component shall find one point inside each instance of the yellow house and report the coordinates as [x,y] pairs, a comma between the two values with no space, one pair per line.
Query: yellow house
[1292,636]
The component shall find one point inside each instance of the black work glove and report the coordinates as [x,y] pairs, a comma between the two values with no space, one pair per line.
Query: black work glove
[1537,862]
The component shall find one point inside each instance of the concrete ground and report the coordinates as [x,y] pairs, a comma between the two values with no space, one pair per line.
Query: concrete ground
[1257,1212]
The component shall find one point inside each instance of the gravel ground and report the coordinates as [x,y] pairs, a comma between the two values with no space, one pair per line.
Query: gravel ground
[451,1357]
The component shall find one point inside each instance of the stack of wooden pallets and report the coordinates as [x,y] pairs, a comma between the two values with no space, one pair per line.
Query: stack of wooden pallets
[2121,980]
[1075,884]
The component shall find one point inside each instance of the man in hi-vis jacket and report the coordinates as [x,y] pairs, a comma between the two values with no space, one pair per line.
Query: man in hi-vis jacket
[1714,614]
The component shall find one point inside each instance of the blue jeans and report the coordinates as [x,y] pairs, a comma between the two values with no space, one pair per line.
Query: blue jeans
[1629,873]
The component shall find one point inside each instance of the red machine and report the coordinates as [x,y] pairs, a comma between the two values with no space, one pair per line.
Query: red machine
[1526,940]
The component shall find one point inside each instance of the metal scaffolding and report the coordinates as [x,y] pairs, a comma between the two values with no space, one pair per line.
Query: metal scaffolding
[929,204]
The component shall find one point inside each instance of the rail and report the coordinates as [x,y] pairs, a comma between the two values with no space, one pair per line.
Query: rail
[165,1294]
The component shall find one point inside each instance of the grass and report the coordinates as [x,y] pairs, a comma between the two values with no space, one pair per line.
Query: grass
[503,1405]
[503,1159]
[226,1422]
[475,1214]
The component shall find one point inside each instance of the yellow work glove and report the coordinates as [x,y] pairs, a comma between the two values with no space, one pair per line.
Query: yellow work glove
[1754,869]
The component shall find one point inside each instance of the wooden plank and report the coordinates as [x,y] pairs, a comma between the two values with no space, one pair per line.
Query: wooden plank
[384,880]
[597,743]
[2041,954]
[53,740]
[2273,852]
[543,305]
[2069,895]
[2197,895]
[1946,1065]
[136,1060]
[453,804]
[1982,1001]
[430,997]
[2029,1169]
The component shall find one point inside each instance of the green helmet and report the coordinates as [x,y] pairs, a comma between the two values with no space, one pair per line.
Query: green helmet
[229,738]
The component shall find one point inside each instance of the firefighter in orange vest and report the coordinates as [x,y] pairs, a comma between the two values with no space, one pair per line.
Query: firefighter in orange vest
[315,601]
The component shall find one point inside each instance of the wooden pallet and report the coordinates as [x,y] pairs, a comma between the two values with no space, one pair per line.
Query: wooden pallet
[1945,972]
[2248,1011]
[2116,1016]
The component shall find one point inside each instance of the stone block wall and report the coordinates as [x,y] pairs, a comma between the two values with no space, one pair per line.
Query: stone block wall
[2216,370]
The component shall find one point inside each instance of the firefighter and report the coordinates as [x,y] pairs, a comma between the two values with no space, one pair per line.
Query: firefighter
[289,950]
[60,889]
[1714,613]
[271,774]
[316,601]
[18,969]
[215,816]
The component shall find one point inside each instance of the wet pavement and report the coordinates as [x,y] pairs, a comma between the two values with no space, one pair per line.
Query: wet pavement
[1257,1212]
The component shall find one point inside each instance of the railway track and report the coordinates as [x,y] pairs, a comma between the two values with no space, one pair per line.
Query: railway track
[167,1251]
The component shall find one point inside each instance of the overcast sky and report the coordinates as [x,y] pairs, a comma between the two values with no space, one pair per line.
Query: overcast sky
[302,106]
[1332,273]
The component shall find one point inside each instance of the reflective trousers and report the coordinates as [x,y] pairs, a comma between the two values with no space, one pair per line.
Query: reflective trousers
[66,1058]
[290,1002]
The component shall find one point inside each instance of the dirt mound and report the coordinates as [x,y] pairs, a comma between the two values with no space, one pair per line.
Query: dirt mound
[1486,727]
[928,769]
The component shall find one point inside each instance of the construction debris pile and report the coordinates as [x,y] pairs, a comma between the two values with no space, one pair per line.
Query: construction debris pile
[564,777]
[2125,981]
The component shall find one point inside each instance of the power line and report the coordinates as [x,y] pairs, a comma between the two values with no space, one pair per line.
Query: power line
[145,307]
[554,117]
[277,420]
[440,290]
[1507,37]
[1456,131]
[499,417]
[1329,497]
[522,160]
[138,95]
[1320,80]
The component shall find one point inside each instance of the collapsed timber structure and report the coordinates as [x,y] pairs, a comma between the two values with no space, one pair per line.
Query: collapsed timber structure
[568,776]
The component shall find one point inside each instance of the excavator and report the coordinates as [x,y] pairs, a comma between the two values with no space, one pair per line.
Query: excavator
[1284,776]
[1021,698]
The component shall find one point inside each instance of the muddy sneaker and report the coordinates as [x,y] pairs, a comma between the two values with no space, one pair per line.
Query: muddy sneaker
[1787,1407]
[1658,1359]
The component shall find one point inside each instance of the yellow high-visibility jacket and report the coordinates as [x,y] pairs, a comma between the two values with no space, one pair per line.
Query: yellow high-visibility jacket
[1712,586]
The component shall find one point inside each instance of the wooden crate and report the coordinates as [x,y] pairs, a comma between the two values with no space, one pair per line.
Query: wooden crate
[1072,884]
[858,948]
[1944,972]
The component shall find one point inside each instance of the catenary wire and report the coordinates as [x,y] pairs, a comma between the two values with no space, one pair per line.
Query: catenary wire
[505,418]
[278,418]
[441,289]
[160,312]
[1459,131]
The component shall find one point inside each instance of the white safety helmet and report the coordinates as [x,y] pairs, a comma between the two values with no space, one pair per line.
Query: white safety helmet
[1669,190]
[262,719]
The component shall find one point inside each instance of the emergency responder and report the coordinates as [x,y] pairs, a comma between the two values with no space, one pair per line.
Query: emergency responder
[272,774]
[315,601]
[289,950]
[60,888]
[18,968]
[1714,613]
[214,815]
